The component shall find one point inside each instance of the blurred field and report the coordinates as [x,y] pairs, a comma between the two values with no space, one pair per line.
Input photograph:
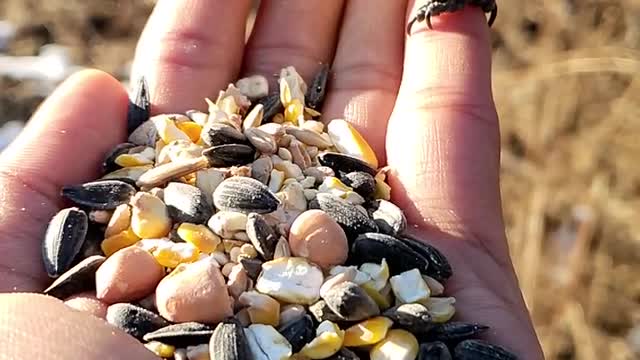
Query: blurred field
[567,86]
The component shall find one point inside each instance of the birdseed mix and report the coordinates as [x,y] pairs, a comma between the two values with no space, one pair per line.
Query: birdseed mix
[254,231]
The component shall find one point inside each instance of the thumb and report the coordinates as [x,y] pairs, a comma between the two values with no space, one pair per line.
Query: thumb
[63,143]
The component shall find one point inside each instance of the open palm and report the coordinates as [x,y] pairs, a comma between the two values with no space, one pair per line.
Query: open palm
[423,101]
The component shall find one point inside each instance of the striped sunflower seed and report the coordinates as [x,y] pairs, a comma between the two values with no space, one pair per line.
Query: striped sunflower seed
[134,320]
[140,108]
[481,350]
[78,279]
[262,236]
[229,342]
[245,195]
[372,248]
[352,221]
[350,302]
[102,195]
[229,155]
[181,334]
[63,240]
[187,203]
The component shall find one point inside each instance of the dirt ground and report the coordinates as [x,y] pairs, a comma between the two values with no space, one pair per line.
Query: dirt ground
[566,80]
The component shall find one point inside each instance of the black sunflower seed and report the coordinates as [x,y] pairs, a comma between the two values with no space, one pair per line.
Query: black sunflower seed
[79,278]
[140,108]
[134,320]
[182,334]
[439,267]
[353,221]
[481,350]
[413,317]
[187,203]
[230,155]
[229,342]
[246,195]
[362,182]
[314,98]
[434,351]
[101,195]
[298,332]
[372,247]
[63,240]
[262,235]
[272,106]
[341,163]
[453,332]
[350,302]
[215,134]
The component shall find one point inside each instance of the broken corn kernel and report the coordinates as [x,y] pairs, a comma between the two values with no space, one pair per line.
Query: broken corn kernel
[167,129]
[349,141]
[262,309]
[379,273]
[175,254]
[333,185]
[398,345]
[383,190]
[293,111]
[150,217]
[440,308]
[382,300]
[328,341]
[409,287]
[160,349]
[130,160]
[119,222]
[118,241]
[192,130]
[200,236]
[368,332]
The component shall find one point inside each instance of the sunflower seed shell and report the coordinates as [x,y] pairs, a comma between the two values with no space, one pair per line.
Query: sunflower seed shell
[245,195]
[63,240]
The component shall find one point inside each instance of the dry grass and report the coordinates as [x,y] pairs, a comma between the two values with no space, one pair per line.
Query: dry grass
[567,79]
[570,181]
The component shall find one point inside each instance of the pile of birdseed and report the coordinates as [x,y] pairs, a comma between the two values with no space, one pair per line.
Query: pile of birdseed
[254,232]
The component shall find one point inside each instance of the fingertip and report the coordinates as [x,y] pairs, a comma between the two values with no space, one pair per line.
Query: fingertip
[34,326]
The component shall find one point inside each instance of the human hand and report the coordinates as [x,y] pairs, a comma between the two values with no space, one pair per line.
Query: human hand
[430,91]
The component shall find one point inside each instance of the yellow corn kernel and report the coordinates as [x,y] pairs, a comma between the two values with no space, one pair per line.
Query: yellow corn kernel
[349,141]
[175,254]
[150,217]
[119,222]
[333,185]
[130,160]
[262,309]
[132,173]
[328,341]
[382,300]
[151,245]
[440,308]
[285,93]
[398,345]
[200,236]
[167,129]
[118,241]
[160,349]
[293,111]
[368,332]
[192,130]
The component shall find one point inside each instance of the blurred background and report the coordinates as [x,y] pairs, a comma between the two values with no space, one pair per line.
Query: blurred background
[567,87]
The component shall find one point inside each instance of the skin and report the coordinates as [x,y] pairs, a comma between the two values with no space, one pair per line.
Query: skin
[424,102]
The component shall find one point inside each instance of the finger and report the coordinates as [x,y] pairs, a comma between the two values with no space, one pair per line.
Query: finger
[368,68]
[443,137]
[63,143]
[41,327]
[298,33]
[190,50]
